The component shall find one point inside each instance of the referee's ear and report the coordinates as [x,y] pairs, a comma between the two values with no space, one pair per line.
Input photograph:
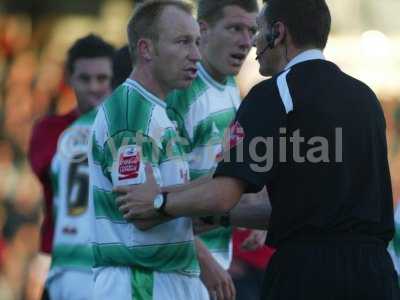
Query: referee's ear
[281,33]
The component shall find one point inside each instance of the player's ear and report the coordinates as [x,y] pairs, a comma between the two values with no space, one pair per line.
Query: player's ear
[145,49]
[204,30]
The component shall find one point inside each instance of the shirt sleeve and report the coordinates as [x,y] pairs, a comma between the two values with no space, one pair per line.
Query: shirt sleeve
[251,145]
[42,147]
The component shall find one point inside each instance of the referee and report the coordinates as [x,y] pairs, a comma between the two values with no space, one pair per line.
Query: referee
[316,138]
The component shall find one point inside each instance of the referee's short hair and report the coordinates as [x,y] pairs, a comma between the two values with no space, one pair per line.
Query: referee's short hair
[308,21]
[144,21]
[212,10]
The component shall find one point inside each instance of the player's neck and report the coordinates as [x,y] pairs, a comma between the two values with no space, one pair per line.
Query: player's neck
[149,82]
[217,76]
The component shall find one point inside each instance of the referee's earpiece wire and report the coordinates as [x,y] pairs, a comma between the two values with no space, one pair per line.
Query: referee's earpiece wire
[285,43]
[286,47]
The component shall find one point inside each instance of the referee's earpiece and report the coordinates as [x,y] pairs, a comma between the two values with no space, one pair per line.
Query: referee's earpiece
[270,39]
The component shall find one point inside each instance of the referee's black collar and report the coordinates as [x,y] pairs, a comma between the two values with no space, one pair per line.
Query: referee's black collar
[305,56]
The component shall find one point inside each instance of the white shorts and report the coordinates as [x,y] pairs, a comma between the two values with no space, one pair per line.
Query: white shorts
[206,294]
[129,283]
[71,285]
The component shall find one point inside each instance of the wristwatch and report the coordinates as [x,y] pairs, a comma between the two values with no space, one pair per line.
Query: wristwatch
[159,203]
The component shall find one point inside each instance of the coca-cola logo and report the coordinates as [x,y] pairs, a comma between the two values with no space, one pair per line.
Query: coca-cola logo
[232,137]
[236,134]
[129,164]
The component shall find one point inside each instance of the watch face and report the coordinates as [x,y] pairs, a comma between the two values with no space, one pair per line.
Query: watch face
[158,202]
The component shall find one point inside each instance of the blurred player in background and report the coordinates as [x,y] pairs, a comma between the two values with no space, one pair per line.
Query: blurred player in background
[63,170]
[131,128]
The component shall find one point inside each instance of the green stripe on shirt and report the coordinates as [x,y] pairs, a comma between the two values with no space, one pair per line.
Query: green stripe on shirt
[175,257]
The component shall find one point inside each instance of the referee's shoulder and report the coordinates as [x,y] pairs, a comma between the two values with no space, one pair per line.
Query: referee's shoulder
[358,84]
[361,91]
[264,88]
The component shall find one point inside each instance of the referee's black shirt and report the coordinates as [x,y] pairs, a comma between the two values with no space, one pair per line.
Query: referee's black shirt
[337,179]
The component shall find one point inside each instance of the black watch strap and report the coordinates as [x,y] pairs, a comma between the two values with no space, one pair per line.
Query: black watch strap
[225,220]
[162,208]
[210,220]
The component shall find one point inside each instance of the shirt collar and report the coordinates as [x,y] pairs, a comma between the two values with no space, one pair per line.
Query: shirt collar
[208,78]
[145,93]
[305,56]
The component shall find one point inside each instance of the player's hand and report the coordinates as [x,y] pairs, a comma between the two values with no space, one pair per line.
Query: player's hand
[217,281]
[136,201]
[255,240]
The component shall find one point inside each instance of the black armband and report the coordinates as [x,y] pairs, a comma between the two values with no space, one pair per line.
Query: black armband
[225,220]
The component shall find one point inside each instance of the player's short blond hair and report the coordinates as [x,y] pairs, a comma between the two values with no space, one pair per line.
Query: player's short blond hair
[144,21]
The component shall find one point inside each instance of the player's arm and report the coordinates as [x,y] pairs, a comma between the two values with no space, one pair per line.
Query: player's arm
[249,214]
[200,225]
[125,155]
[216,196]
[188,185]
[254,157]
[213,276]
[252,211]
[142,224]
[125,204]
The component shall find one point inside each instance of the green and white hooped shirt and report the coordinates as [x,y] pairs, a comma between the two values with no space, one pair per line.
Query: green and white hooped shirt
[203,112]
[131,129]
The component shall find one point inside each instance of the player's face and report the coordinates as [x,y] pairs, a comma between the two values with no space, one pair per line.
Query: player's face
[228,41]
[176,51]
[91,81]
[267,58]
